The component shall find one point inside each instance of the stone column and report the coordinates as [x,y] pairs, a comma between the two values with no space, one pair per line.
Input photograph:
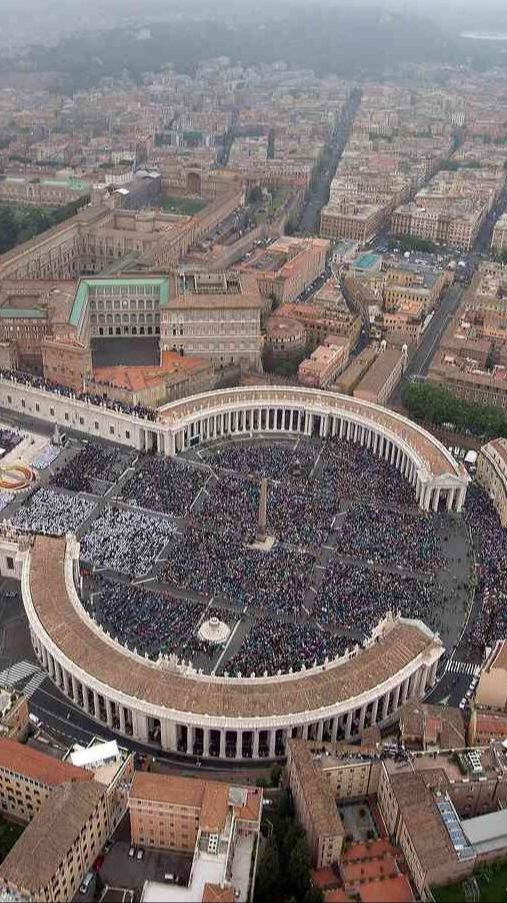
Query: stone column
[404,690]
[86,701]
[374,711]
[255,744]
[436,499]
[222,744]
[461,498]
[304,733]
[66,682]
[239,744]
[75,689]
[334,728]
[260,533]
[433,673]
[205,742]
[385,704]
[109,712]
[121,715]
[348,725]
[396,700]
[450,499]
[342,427]
[320,731]
[96,705]
[272,744]
[362,716]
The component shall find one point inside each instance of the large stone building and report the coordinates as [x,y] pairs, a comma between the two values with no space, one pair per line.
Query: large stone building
[315,806]
[59,846]
[214,315]
[325,363]
[288,266]
[492,475]
[348,219]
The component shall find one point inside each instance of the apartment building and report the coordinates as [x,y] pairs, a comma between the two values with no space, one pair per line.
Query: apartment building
[499,237]
[14,714]
[380,380]
[59,846]
[315,805]
[325,363]
[27,778]
[287,266]
[356,221]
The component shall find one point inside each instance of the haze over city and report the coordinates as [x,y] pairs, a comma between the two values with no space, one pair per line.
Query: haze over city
[253,451]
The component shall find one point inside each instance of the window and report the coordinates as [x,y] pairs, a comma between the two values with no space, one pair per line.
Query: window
[66,415]
[23,403]
[81,420]
[111,430]
[52,412]
[96,424]
[127,434]
[10,563]
[37,406]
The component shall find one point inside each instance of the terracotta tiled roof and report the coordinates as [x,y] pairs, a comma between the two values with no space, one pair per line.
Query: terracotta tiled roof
[111,666]
[34,859]
[36,765]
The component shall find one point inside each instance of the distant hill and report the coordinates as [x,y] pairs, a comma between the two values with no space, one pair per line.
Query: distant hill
[351,43]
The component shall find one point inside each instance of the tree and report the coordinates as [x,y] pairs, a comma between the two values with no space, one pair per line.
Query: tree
[313,895]
[268,885]
[299,868]
[276,773]
[9,229]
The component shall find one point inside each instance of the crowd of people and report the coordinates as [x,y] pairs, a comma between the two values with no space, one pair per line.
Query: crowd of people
[52,513]
[6,498]
[357,598]
[490,542]
[352,472]
[213,565]
[152,623]
[125,541]
[406,539]
[273,460]
[271,646]
[163,484]
[92,466]
[8,440]
[38,382]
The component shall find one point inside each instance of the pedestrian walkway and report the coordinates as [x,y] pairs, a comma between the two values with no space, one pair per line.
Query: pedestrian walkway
[462,667]
[24,677]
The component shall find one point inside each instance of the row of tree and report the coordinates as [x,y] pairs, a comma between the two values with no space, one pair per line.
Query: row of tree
[435,404]
[20,224]
[284,870]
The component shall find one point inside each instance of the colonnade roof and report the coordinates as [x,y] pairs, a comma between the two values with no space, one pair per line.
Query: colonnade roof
[432,453]
[217,698]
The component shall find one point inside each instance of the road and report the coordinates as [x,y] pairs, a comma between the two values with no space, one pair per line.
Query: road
[309,221]
[421,359]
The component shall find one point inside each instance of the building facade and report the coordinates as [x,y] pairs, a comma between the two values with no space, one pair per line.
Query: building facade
[492,475]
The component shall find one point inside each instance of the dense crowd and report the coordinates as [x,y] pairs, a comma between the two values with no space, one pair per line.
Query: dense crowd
[6,498]
[350,471]
[210,564]
[38,382]
[52,513]
[296,514]
[407,539]
[150,622]
[274,460]
[125,541]
[93,465]
[164,485]
[355,599]
[8,440]
[274,646]
[490,540]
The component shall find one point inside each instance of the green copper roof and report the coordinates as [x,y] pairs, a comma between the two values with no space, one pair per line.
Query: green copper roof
[86,284]
[23,313]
